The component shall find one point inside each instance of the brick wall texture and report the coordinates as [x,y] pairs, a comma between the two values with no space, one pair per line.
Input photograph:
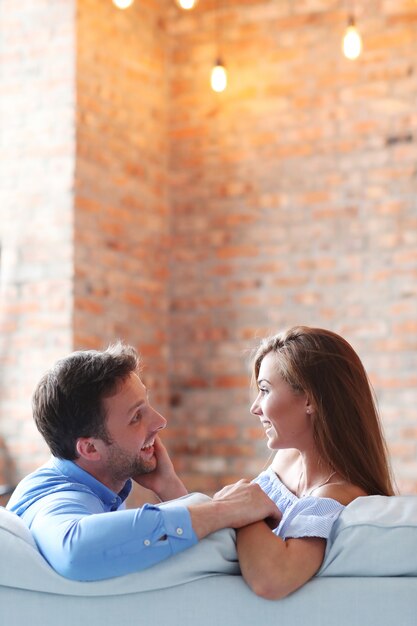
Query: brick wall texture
[121,212]
[37,159]
[137,203]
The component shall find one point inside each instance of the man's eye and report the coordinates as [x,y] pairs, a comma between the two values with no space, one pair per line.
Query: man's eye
[136,417]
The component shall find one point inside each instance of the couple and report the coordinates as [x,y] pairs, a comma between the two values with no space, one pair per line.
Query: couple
[316,406]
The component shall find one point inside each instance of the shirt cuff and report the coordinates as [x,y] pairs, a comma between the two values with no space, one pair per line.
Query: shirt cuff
[178,527]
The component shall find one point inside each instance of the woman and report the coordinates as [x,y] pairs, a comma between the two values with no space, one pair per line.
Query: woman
[317,408]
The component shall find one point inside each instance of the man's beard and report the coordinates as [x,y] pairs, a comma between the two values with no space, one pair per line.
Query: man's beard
[123,465]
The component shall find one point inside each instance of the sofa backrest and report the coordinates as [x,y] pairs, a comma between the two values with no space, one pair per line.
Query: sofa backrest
[12,524]
[374,536]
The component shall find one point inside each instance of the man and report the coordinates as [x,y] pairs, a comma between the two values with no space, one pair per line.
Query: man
[94,413]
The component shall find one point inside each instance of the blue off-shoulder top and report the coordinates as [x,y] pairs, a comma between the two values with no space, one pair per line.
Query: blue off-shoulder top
[301,517]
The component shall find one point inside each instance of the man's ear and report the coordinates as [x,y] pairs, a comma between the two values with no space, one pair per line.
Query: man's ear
[87,450]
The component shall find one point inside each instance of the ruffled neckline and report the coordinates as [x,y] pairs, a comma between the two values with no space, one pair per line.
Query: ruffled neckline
[278,486]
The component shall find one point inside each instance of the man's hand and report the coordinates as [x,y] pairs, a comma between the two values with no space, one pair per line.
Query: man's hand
[163,480]
[234,506]
[237,491]
[250,502]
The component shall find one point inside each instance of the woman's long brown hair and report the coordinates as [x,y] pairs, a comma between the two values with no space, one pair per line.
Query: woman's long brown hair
[347,427]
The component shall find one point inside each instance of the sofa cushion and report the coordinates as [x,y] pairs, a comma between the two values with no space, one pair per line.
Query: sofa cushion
[374,536]
[12,524]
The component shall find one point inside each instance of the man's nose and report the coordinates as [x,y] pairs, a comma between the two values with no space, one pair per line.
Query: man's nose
[158,421]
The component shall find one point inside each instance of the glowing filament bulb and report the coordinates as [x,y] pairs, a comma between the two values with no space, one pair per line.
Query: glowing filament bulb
[123,4]
[352,42]
[187,5]
[218,77]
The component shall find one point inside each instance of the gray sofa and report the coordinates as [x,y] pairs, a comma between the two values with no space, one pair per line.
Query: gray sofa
[368,577]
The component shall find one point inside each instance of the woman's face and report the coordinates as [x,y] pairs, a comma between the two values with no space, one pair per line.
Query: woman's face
[282,411]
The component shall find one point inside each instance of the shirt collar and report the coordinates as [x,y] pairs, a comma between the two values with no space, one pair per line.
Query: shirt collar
[77,474]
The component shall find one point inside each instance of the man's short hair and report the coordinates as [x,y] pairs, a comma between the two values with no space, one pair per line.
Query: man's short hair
[68,401]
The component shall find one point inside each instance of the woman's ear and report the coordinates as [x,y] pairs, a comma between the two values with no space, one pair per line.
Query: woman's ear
[309,406]
[86,449]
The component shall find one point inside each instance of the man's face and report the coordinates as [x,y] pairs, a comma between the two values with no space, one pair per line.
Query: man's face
[132,425]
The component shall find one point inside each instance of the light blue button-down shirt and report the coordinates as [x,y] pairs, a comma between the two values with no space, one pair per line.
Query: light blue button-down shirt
[83,529]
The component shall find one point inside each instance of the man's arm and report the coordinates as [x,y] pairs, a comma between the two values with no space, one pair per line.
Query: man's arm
[81,542]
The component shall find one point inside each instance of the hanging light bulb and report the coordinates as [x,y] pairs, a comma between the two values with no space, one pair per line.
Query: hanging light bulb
[187,5]
[218,77]
[123,4]
[352,42]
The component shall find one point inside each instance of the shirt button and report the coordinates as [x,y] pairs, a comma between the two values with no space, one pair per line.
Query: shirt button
[146,542]
[179,531]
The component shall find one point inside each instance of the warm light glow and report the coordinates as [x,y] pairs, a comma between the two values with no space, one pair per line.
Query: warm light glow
[218,77]
[123,4]
[352,42]
[187,4]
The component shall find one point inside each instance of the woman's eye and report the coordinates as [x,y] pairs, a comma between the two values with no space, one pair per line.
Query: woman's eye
[263,391]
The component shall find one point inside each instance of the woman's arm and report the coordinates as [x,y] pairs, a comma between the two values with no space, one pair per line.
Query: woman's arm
[272,567]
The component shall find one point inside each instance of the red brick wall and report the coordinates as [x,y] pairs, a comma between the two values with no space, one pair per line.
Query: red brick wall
[37,151]
[294,201]
[121,204]
[203,221]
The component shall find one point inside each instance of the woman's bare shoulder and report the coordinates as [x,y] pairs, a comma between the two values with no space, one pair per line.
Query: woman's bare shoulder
[343,492]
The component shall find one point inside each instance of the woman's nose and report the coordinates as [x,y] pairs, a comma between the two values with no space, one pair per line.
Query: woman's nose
[255,408]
